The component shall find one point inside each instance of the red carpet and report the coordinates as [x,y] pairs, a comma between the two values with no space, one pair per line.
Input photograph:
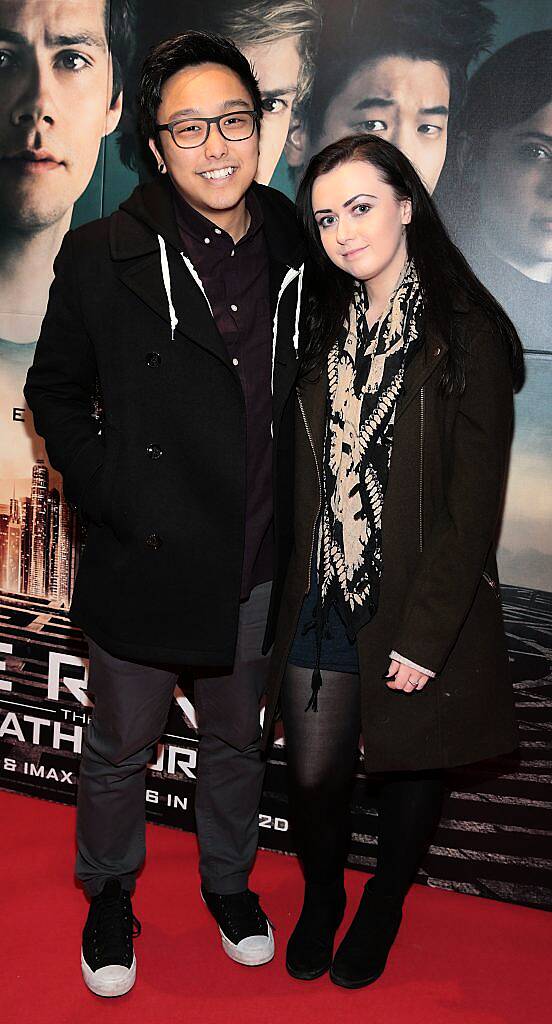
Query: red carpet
[457,960]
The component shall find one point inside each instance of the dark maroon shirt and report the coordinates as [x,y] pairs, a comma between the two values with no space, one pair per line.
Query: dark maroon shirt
[235,277]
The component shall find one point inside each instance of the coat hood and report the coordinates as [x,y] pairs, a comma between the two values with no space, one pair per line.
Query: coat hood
[150,207]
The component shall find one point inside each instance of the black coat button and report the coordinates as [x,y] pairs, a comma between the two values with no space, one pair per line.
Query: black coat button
[153,540]
[154,451]
[153,359]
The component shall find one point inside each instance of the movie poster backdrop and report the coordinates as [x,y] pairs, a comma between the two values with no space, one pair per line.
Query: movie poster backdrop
[465,89]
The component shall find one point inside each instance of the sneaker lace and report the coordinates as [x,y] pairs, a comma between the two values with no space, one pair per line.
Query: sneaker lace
[115,927]
[243,915]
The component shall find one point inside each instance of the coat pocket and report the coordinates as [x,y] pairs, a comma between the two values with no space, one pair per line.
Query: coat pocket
[109,472]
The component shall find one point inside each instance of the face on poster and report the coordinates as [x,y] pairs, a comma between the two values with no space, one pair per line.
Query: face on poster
[404,100]
[499,206]
[394,71]
[516,174]
[58,99]
[56,77]
[277,65]
[506,155]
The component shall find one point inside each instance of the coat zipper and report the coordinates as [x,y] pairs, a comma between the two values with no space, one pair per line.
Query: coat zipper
[421,481]
[492,584]
[311,442]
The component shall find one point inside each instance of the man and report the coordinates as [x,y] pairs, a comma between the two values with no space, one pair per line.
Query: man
[396,68]
[61,74]
[278,37]
[186,304]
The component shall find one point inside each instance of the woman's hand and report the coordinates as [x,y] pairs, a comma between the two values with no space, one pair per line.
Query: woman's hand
[402,677]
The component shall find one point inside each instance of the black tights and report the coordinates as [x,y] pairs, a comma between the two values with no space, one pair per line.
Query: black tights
[322,750]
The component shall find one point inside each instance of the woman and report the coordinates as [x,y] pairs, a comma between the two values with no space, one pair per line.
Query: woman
[390,621]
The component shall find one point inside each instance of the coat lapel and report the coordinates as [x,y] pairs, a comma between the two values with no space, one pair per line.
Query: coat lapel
[420,369]
[135,250]
[195,322]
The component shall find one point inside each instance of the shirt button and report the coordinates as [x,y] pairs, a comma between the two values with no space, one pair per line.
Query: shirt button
[235,361]
[154,451]
[206,240]
[153,540]
[234,308]
[218,231]
[233,253]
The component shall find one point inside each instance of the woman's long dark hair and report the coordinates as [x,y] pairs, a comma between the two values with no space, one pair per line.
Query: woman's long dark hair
[442,270]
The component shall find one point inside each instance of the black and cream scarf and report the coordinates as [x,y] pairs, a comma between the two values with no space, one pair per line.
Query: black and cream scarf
[365,375]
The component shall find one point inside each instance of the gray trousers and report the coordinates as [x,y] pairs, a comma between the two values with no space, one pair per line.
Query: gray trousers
[131,705]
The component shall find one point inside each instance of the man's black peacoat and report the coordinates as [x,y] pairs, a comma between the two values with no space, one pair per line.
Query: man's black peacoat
[162,486]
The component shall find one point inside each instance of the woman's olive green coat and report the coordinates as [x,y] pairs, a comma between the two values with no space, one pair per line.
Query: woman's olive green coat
[439,602]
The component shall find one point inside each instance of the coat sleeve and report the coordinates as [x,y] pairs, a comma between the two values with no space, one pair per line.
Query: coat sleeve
[450,568]
[59,389]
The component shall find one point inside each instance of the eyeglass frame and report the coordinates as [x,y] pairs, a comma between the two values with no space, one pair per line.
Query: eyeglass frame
[169,127]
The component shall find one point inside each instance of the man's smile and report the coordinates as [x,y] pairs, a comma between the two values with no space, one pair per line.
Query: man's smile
[218,173]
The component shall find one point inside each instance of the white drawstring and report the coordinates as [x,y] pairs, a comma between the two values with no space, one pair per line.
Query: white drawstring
[291,275]
[298,310]
[197,279]
[167,283]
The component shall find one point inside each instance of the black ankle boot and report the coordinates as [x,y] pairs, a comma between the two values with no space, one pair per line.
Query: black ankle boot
[362,955]
[310,948]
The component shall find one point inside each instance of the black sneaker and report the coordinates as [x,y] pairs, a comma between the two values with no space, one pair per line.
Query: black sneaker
[244,927]
[107,957]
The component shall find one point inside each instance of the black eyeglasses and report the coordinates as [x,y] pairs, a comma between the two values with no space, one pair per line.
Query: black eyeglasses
[189,132]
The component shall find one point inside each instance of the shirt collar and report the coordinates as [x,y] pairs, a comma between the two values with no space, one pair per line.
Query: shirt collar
[193,223]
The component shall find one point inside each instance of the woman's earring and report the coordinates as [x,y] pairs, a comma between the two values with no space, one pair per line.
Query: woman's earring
[161,168]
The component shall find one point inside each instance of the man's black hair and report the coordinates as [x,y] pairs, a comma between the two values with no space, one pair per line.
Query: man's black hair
[120,32]
[451,33]
[189,50]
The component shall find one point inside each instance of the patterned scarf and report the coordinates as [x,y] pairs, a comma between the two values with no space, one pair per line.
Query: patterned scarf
[365,376]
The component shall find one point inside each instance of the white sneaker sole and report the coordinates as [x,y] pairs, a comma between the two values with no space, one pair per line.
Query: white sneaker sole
[109,981]
[249,957]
